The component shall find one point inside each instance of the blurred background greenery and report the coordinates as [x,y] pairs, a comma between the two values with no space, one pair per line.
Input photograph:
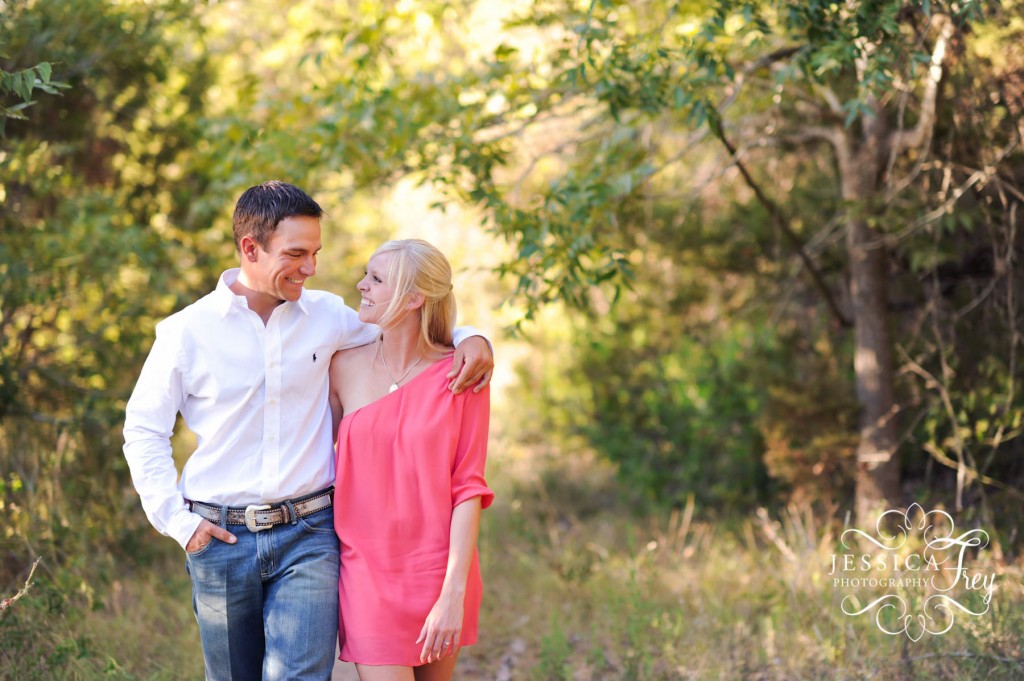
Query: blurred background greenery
[758,262]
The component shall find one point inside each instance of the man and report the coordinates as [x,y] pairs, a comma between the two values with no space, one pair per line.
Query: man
[247,368]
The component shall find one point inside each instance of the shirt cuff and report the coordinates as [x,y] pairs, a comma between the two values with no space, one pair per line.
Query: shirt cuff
[461,333]
[182,526]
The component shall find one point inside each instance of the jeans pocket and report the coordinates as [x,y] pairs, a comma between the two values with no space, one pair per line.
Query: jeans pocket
[321,522]
[202,549]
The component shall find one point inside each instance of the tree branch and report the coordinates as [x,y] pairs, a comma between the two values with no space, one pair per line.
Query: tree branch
[969,472]
[980,177]
[8,602]
[921,133]
[781,222]
[831,99]
[810,133]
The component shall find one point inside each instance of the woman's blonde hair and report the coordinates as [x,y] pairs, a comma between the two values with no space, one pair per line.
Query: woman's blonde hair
[417,266]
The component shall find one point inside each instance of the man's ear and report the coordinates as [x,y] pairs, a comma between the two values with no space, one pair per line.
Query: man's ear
[247,248]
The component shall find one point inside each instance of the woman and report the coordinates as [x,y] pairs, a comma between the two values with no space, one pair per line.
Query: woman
[410,484]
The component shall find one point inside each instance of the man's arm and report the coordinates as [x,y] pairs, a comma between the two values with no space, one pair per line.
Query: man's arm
[473,361]
[148,426]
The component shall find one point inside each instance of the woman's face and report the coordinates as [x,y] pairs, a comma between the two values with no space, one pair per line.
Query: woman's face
[375,289]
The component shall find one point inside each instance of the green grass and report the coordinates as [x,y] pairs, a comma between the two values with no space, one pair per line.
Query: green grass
[576,587]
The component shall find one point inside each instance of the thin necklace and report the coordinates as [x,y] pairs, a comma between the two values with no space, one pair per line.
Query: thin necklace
[394,381]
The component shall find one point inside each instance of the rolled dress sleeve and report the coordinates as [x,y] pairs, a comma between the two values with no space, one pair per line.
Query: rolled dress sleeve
[471,452]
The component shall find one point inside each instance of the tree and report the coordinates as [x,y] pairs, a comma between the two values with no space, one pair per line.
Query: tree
[101,206]
[837,102]
[864,77]
[567,145]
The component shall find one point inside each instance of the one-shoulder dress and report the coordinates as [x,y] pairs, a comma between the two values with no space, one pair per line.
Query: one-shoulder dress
[404,463]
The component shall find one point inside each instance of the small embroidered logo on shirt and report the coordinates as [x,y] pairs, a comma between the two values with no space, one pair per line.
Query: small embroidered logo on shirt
[314,356]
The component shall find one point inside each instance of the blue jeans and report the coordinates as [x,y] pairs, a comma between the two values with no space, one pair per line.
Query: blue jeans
[267,606]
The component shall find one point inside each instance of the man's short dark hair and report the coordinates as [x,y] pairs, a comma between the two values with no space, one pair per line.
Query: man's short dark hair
[261,208]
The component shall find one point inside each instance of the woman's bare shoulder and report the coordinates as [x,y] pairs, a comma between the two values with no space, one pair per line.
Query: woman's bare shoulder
[353,357]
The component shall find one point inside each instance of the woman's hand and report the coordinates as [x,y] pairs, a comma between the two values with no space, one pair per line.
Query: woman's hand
[442,631]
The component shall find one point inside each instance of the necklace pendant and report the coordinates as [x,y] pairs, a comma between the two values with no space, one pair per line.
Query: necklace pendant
[393,388]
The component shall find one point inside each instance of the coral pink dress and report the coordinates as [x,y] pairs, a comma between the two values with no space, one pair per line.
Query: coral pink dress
[403,463]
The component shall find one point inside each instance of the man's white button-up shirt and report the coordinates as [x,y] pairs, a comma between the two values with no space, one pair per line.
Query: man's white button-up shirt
[255,395]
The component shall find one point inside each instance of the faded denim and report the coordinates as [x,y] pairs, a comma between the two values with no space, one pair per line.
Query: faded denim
[267,606]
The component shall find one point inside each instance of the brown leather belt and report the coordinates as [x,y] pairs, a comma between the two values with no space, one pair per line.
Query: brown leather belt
[258,517]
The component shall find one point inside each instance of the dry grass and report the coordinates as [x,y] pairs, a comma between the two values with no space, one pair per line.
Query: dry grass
[577,588]
[138,627]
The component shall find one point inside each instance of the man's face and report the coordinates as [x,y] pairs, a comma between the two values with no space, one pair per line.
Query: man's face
[288,261]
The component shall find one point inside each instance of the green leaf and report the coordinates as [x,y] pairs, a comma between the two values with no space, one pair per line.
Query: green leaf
[23,83]
[13,111]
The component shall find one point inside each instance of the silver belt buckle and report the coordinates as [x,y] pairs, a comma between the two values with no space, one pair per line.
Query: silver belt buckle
[250,517]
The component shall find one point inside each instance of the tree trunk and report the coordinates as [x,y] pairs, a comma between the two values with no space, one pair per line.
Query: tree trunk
[861,162]
[878,467]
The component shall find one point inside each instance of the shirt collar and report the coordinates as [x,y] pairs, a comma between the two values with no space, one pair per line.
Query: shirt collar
[301,302]
[227,297]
